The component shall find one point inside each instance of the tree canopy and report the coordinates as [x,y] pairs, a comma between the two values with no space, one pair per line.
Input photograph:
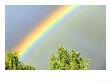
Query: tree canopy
[65,60]
[12,62]
[62,60]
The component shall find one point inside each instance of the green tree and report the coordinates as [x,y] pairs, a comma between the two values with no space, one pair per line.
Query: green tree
[12,62]
[65,60]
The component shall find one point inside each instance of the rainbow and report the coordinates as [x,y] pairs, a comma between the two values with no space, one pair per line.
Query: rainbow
[44,26]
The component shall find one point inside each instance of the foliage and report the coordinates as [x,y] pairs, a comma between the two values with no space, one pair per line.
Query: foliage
[65,60]
[12,62]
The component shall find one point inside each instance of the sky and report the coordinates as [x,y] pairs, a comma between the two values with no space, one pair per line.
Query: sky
[83,30]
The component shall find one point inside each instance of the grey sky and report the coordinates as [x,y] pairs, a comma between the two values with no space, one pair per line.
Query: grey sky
[85,32]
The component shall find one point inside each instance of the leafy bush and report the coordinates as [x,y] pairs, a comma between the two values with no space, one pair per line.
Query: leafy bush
[12,62]
[65,60]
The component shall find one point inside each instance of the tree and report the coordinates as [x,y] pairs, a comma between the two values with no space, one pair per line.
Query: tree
[65,60]
[12,62]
